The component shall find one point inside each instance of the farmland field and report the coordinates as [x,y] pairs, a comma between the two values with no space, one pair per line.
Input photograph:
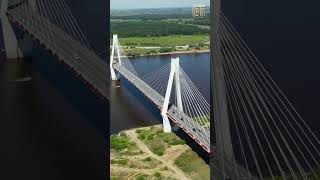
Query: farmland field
[165,41]
[160,30]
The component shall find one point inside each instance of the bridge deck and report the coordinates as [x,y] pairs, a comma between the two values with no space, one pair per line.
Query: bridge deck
[87,64]
[96,72]
[200,134]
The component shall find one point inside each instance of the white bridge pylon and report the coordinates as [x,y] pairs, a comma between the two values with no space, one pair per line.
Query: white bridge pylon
[115,47]
[174,76]
[171,90]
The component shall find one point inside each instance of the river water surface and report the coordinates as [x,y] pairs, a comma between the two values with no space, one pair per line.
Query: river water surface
[129,108]
[57,124]
[51,125]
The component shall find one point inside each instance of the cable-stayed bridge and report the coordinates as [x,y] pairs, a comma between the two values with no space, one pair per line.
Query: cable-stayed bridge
[183,104]
[256,126]
[258,133]
[177,97]
[51,24]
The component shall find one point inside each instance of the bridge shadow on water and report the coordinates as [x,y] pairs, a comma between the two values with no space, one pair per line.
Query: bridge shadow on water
[72,88]
[52,126]
[156,112]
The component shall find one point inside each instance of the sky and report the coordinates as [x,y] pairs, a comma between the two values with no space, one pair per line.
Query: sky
[134,4]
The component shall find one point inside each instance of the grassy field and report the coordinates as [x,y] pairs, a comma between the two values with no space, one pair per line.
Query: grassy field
[149,154]
[121,145]
[121,142]
[157,140]
[140,28]
[135,46]
[189,163]
[165,41]
[162,29]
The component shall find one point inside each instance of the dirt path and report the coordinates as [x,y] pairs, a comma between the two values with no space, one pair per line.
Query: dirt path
[174,152]
[165,160]
[136,172]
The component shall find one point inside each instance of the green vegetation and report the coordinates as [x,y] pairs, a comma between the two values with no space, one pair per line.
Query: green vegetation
[171,139]
[115,177]
[153,17]
[153,29]
[119,161]
[120,142]
[192,21]
[157,141]
[160,30]
[166,41]
[135,46]
[156,14]
[203,22]
[139,51]
[128,154]
[141,177]
[203,121]
[147,159]
[157,147]
[189,163]
[123,151]
[157,174]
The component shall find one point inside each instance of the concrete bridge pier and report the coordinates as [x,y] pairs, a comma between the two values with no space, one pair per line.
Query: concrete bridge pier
[16,45]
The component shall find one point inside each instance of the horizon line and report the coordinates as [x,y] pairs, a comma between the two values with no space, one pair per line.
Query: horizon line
[152,8]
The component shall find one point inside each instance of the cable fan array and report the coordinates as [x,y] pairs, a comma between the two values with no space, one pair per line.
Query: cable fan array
[269,137]
[47,18]
[194,104]
[125,62]
[51,25]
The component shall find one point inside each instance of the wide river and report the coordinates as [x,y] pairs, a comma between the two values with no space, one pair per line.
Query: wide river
[56,123]
[129,108]
[52,126]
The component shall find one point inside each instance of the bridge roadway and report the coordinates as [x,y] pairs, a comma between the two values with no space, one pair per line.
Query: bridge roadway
[82,60]
[93,69]
[197,132]
[193,129]
[96,72]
